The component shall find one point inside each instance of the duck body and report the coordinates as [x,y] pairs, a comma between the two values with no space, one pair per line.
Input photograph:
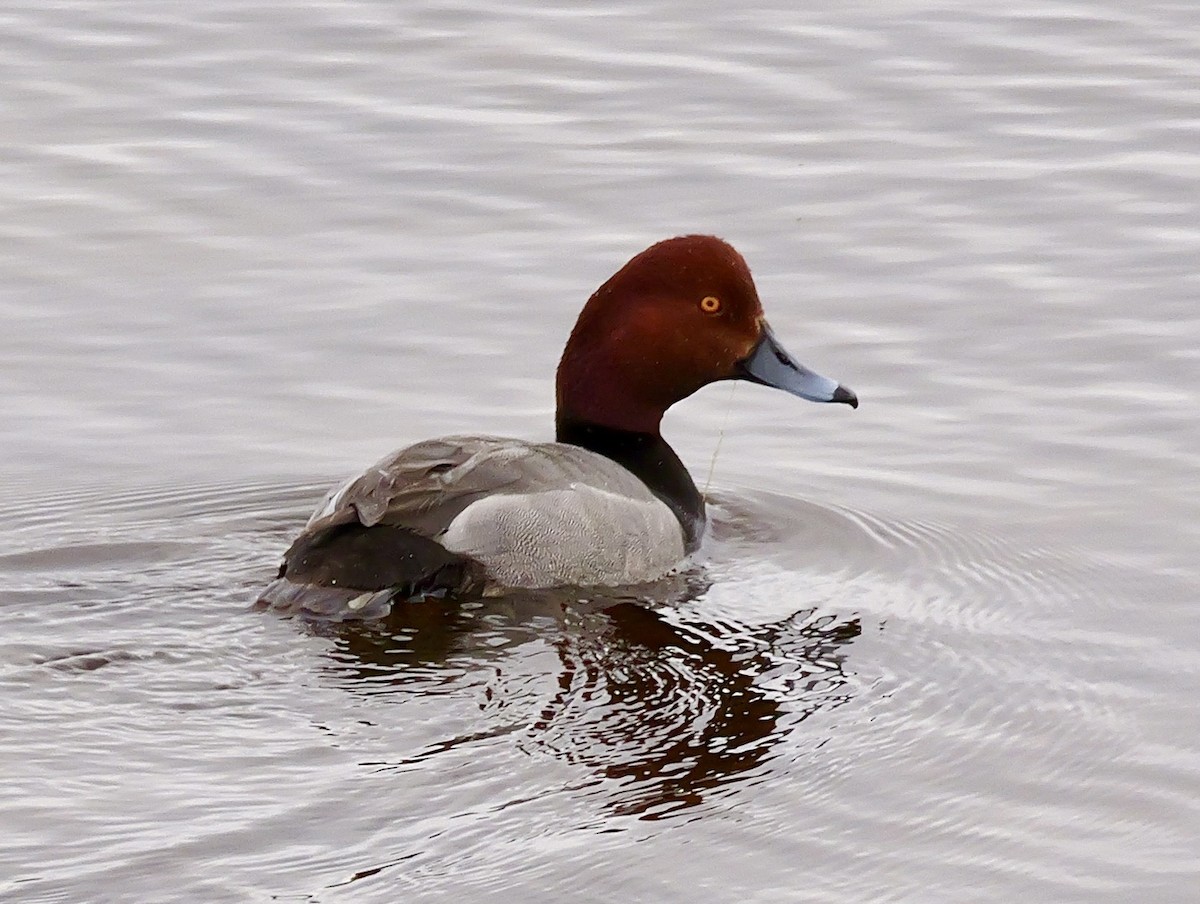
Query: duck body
[608,503]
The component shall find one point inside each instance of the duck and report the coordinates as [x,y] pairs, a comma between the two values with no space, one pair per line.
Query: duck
[607,503]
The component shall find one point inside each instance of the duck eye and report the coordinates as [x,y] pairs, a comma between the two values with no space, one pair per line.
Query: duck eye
[710,304]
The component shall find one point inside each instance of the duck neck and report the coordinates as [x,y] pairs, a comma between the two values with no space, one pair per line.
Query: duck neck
[648,457]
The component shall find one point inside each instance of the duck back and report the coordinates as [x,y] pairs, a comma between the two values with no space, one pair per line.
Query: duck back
[460,514]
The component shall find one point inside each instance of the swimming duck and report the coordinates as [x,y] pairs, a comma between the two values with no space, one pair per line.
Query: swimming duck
[608,503]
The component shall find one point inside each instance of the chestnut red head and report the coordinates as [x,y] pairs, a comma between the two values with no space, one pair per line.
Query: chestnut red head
[682,314]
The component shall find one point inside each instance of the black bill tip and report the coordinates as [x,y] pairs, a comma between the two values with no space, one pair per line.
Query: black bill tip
[845,394]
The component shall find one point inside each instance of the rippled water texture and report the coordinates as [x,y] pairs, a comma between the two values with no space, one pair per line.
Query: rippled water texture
[943,648]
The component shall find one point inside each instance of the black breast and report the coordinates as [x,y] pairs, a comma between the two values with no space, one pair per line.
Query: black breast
[652,461]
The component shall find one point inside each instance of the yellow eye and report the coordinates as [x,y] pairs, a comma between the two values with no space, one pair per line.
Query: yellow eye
[710,304]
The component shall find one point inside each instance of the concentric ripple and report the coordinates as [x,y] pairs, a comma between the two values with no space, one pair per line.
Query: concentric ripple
[952,657]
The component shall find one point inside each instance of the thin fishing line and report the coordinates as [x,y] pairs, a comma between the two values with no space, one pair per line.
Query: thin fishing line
[712,465]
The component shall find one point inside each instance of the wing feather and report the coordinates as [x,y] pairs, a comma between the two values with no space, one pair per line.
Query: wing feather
[426,486]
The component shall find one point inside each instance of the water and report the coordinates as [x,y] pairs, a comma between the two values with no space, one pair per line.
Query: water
[942,648]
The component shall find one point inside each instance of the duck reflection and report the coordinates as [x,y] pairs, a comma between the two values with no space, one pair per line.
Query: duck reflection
[667,706]
[672,709]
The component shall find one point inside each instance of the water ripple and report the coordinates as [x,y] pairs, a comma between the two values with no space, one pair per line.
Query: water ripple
[949,657]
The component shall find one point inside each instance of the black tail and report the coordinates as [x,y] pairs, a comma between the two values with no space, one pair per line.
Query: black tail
[353,571]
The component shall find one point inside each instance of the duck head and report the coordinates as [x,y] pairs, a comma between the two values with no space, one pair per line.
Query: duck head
[682,314]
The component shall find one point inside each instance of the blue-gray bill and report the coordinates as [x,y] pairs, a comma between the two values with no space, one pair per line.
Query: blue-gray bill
[771,365]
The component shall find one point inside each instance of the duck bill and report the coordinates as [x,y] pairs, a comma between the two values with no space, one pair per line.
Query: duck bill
[770,364]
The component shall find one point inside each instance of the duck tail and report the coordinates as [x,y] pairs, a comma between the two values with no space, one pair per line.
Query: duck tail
[351,572]
[285,597]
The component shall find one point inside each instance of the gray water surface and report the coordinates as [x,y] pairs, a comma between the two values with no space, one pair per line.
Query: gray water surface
[942,648]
